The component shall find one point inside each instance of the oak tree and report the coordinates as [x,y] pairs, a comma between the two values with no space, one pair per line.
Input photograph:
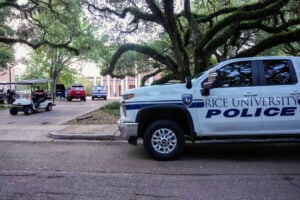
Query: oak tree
[195,31]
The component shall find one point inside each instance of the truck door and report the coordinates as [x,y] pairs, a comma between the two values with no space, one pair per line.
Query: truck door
[231,107]
[280,97]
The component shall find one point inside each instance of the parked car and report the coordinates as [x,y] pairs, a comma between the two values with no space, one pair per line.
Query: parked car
[99,92]
[60,91]
[2,96]
[76,91]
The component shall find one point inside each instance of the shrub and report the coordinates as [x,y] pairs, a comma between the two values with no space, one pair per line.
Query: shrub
[112,109]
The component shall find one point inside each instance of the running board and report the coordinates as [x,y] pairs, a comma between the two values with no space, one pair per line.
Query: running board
[246,140]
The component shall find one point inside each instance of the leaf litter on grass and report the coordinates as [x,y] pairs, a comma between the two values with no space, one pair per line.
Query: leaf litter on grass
[105,115]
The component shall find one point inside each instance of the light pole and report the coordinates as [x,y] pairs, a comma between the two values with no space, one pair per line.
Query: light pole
[9,75]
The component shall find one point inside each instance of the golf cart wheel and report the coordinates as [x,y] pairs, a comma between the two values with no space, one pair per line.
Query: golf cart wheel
[49,107]
[28,111]
[164,140]
[13,111]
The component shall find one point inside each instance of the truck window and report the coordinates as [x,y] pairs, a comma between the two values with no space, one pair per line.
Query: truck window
[235,75]
[277,72]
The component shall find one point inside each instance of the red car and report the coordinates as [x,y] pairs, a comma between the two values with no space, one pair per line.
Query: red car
[77,91]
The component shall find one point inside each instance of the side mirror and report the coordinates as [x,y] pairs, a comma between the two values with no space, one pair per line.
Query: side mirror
[212,77]
[188,81]
[205,92]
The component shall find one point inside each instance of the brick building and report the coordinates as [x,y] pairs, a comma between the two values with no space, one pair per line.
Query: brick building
[115,86]
[7,76]
[91,71]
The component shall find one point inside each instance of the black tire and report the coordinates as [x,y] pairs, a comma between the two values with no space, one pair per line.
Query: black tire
[69,99]
[92,98]
[49,107]
[28,111]
[13,111]
[164,140]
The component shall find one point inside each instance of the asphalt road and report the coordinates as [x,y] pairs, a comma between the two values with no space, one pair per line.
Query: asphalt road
[51,169]
[62,112]
[116,170]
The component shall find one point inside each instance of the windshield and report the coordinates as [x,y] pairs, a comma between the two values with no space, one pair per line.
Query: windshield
[24,94]
[201,73]
[197,76]
[99,88]
[77,88]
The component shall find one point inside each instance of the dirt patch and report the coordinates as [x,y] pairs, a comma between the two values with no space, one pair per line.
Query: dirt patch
[97,117]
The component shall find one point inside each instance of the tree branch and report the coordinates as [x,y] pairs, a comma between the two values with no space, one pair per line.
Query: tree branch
[39,44]
[246,8]
[147,76]
[136,12]
[191,20]
[269,29]
[242,15]
[274,40]
[152,53]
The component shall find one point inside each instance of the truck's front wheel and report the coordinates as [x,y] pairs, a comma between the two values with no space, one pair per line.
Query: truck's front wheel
[164,140]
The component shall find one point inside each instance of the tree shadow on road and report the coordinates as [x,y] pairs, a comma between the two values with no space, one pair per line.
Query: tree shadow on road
[240,152]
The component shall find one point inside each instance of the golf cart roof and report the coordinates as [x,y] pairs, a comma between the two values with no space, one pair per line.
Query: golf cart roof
[6,83]
[33,81]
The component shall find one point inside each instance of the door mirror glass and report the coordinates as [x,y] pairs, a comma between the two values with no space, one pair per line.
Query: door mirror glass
[212,77]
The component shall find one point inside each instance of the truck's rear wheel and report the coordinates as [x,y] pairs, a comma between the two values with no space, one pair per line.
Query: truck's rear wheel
[164,140]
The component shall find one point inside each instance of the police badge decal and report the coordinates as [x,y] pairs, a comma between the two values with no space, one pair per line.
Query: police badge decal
[187,99]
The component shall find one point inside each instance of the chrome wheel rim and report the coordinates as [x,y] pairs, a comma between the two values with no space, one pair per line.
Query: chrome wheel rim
[164,141]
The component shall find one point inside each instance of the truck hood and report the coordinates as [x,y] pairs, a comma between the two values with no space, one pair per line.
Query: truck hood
[161,92]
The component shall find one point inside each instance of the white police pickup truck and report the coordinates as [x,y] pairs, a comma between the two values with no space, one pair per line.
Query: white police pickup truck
[240,100]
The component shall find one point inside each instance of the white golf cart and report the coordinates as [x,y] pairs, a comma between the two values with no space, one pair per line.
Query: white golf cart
[25,97]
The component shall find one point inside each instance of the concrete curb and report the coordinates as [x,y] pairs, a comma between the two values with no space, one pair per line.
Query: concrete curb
[95,136]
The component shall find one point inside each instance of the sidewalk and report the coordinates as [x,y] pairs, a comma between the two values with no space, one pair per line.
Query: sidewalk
[46,132]
[87,132]
[46,126]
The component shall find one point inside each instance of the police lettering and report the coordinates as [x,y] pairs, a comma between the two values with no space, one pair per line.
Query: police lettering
[216,103]
[245,112]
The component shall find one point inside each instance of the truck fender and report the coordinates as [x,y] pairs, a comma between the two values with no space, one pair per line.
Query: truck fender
[177,113]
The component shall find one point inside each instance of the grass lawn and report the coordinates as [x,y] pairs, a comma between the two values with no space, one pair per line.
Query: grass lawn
[108,114]
[3,106]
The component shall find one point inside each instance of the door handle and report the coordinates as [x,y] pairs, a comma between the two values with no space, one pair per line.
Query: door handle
[295,93]
[250,94]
